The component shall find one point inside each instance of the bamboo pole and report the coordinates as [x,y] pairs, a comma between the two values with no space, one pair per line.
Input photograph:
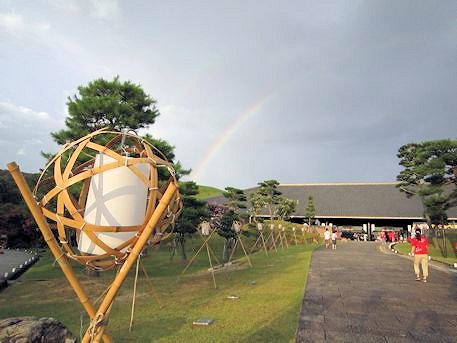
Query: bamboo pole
[233,250]
[285,238]
[59,255]
[279,239]
[263,241]
[100,316]
[205,241]
[211,265]
[273,239]
[295,237]
[245,253]
[255,244]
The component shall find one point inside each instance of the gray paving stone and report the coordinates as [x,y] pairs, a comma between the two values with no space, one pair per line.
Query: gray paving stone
[360,294]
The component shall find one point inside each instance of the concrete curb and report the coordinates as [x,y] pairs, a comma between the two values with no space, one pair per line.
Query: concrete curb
[18,270]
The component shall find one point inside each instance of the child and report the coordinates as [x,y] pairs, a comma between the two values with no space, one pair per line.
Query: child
[334,236]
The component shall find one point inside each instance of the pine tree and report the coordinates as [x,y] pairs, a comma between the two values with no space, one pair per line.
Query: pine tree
[310,210]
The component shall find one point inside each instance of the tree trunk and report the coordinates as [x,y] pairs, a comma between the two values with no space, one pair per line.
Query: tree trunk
[224,251]
[270,211]
[173,248]
[182,241]
[444,243]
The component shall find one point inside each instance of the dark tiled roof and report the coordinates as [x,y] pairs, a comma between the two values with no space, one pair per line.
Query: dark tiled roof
[353,200]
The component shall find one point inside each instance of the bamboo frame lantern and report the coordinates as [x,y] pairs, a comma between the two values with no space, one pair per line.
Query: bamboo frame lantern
[102,196]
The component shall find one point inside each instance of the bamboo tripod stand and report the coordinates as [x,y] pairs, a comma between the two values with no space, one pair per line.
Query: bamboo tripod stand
[96,331]
[279,238]
[260,239]
[295,236]
[205,236]
[271,237]
[236,226]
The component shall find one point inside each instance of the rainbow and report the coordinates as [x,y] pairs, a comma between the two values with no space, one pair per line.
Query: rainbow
[228,132]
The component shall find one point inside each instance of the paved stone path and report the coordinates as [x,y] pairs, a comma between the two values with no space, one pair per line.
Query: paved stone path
[12,259]
[359,294]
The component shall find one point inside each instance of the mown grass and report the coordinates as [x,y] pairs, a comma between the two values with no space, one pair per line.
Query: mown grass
[434,251]
[267,310]
[205,192]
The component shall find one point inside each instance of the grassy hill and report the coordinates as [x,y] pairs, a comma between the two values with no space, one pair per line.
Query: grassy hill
[205,192]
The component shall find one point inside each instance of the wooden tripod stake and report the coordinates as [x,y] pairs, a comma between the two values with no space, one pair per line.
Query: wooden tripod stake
[272,237]
[59,255]
[285,237]
[260,229]
[208,250]
[237,228]
[295,236]
[96,331]
[279,238]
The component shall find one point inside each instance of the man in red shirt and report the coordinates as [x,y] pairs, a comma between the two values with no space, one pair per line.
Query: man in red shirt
[419,249]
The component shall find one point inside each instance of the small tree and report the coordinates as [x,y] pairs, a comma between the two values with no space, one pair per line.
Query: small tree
[430,172]
[285,207]
[310,210]
[270,193]
[236,199]
[225,230]
[193,213]
[257,202]
[103,103]
[430,167]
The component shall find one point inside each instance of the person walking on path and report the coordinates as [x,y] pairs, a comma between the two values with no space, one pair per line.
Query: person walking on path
[327,238]
[419,249]
[334,236]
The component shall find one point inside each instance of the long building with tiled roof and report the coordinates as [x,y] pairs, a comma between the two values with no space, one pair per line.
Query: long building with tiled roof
[354,203]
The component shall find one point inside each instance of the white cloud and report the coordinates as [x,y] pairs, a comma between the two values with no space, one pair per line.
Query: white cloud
[105,9]
[24,133]
[70,5]
[15,22]
[10,112]
[20,151]
[11,21]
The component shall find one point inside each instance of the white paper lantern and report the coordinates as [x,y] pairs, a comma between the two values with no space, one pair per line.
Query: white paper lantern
[116,197]
[205,228]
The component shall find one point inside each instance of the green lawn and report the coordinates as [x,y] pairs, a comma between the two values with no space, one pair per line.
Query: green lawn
[434,252]
[205,192]
[267,310]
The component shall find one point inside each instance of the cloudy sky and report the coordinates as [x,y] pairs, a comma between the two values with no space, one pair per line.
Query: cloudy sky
[298,91]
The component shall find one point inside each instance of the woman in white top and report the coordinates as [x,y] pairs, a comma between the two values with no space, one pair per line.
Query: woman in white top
[327,238]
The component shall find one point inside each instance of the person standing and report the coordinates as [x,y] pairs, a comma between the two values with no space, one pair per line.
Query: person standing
[419,249]
[327,238]
[334,236]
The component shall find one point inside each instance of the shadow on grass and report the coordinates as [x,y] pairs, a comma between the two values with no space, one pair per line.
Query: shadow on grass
[274,330]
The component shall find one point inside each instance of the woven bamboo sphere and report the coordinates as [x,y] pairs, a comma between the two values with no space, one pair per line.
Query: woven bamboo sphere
[99,192]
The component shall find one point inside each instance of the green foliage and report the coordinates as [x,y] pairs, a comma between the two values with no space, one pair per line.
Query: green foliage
[163,148]
[103,103]
[15,218]
[310,210]
[269,191]
[285,207]
[430,171]
[236,199]
[205,192]
[192,214]
[225,227]
[257,202]
[194,210]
